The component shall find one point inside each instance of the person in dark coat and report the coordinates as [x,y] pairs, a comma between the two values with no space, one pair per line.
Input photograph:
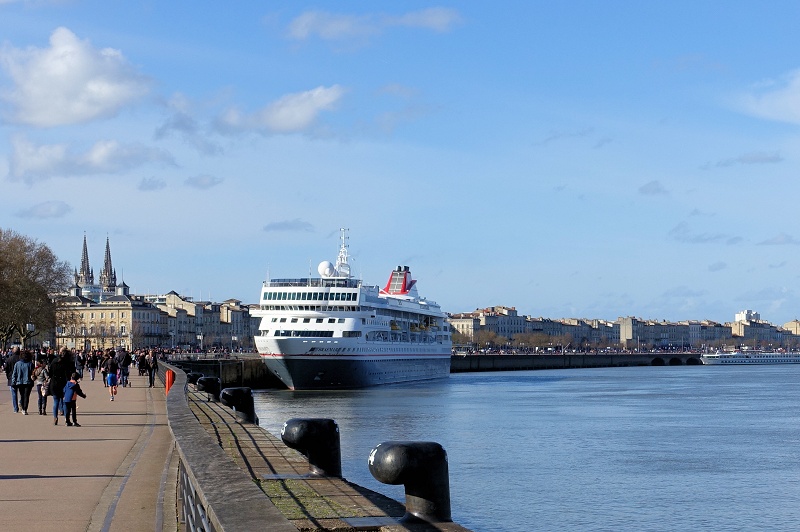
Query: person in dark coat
[22,379]
[8,367]
[71,392]
[60,370]
[151,363]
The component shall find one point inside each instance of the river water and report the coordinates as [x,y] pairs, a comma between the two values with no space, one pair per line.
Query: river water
[643,448]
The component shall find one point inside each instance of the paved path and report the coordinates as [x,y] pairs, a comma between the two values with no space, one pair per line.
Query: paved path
[116,472]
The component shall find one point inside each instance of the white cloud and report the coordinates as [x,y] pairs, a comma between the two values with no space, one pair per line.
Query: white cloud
[152,183]
[292,113]
[47,209]
[682,233]
[33,163]
[181,122]
[780,240]
[775,99]
[752,158]
[334,26]
[330,26]
[439,19]
[203,182]
[68,83]
[653,188]
[295,225]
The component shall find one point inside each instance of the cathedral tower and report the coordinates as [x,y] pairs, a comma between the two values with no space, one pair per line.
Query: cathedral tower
[108,277]
[86,276]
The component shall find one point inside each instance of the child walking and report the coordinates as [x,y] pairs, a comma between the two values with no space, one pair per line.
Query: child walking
[71,391]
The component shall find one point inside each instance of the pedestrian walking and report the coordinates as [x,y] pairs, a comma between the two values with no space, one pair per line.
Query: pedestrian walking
[22,379]
[8,367]
[71,392]
[40,380]
[152,367]
[80,360]
[91,364]
[110,369]
[60,370]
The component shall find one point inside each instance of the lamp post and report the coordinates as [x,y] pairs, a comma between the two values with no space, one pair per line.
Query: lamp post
[29,327]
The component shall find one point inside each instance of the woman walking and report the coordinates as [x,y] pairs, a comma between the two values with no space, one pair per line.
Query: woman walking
[40,378]
[60,370]
[22,379]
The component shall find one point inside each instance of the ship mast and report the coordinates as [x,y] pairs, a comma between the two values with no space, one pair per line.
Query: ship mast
[342,267]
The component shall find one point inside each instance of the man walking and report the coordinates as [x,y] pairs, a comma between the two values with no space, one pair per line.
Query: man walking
[111,367]
[60,370]
[152,366]
[8,367]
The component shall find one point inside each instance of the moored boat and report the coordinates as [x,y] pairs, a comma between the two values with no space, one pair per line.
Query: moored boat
[335,332]
[750,357]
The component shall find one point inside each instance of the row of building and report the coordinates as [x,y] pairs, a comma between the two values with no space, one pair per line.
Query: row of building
[97,316]
[106,314]
[503,324]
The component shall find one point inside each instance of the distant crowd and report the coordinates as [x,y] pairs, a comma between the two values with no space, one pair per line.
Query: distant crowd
[59,376]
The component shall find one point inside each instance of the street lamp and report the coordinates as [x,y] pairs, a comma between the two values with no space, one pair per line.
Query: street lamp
[29,327]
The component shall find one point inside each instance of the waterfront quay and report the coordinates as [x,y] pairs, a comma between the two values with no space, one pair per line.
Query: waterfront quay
[521,362]
[166,462]
[114,472]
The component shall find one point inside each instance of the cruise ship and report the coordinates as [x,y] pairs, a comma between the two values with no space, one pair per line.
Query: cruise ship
[751,357]
[335,332]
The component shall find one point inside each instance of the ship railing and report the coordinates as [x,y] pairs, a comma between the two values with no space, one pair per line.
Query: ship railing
[315,282]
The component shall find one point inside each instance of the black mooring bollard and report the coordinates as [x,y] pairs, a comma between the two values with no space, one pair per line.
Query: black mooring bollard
[318,440]
[240,399]
[422,468]
[192,377]
[210,385]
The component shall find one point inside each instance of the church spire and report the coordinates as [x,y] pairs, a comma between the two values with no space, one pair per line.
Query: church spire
[85,276]
[108,277]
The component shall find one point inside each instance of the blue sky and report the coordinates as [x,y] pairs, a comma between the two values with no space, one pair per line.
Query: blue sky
[571,159]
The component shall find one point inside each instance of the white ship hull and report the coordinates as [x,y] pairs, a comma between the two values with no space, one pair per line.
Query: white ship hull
[751,358]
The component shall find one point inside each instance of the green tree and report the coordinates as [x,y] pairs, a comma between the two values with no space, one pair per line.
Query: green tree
[30,278]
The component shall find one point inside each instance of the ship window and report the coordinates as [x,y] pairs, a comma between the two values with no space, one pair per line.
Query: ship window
[283,320]
[313,296]
[306,320]
[294,320]
[319,320]
[331,320]
[303,296]
[341,320]
[327,295]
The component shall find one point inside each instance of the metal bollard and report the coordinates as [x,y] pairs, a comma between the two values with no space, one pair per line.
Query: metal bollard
[192,377]
[210,385]
[318,440]
[240,399]
[422,468]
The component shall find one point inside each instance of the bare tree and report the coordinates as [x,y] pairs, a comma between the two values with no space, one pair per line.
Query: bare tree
[30,277]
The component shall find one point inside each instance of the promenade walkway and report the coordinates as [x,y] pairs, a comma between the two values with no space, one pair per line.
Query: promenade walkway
[116,472]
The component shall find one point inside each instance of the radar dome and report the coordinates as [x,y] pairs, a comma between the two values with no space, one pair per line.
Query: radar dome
[326,269]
